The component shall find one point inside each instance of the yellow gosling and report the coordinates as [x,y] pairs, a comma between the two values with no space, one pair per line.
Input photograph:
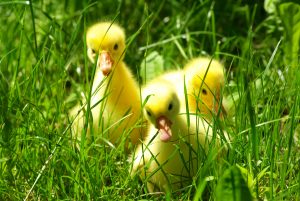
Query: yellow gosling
[168,157]
[115,100]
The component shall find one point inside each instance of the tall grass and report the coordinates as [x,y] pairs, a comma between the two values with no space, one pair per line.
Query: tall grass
[44,69]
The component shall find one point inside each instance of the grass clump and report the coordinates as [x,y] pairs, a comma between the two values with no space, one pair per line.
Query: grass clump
[44,68]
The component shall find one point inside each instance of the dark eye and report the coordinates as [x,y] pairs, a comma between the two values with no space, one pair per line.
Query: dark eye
[93,51]
[116,46]
[204,91]
[148,113]
[170,106]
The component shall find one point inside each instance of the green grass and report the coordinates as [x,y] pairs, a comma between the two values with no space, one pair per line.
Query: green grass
[42,46]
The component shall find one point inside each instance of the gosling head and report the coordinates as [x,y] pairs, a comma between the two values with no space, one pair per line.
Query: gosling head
[161,107]
[105,41]
[207,80]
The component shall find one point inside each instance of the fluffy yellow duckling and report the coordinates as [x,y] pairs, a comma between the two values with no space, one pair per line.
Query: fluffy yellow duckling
[115,99]
[167,158]
[204,79]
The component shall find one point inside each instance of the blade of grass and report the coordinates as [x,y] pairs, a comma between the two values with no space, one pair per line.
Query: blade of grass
[33,28]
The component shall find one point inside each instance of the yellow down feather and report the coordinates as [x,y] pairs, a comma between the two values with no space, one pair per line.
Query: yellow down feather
[115,98]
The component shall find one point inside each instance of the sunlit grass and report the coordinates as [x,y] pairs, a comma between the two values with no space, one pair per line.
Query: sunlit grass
[42,50]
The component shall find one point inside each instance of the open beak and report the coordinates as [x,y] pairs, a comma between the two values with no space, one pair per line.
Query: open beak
[164,127]
[105,63]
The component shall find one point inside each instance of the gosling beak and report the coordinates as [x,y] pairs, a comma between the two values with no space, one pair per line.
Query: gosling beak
[105,63]
[164,127]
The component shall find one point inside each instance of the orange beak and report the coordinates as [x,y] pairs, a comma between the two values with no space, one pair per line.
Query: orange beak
[105,63]
[164,127]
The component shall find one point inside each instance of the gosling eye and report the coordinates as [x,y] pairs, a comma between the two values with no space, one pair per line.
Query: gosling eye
[148,113]
[116,46]
[170,106]
[204,91]
[93,51]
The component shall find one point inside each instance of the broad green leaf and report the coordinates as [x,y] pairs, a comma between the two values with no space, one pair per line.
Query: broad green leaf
[270,5]
[151,67]
[232,186]
[290,16]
